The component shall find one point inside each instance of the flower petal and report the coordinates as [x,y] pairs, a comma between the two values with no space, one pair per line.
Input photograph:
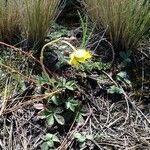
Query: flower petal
[79,56]
[88,55]
[80,53]
[73,60]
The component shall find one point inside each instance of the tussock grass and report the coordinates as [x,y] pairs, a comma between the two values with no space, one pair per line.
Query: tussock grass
[30,19]
[36,18]
[9,20]
[126,21]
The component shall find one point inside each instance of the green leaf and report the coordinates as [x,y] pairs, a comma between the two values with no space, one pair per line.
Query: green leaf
[54,99]
[42,79]
[50,119]
[129,53]
[77,135]
[55,139]
[63,82]
[44,146]
[50,143]
[70,85]
[128,82]
[81,138]
[48,111]
[58,110]
[121,76]
[114,89]
[49,136]
[60,119]
[82,146]
[80,118]
[71,104]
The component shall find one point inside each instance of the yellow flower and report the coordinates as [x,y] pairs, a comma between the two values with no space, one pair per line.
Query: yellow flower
[79,56]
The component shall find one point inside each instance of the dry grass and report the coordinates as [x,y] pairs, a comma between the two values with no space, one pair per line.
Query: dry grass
[30,19]
[37,17]
[126,21]
[9,21]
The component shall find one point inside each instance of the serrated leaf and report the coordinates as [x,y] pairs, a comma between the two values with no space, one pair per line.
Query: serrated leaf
[60,119]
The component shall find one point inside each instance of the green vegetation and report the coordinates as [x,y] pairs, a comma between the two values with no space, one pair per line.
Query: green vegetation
[70,86]
[50,140]
[82,138]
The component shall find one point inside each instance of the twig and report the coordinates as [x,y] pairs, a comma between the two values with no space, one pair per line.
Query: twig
[125,95]
[65,145]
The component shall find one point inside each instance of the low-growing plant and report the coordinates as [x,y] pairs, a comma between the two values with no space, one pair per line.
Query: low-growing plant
[123,77]
[53,115]
[71,104]
[115,90]
[50,140]
[82,138]
[91,65]
[125,21]
[57,108]
[125,58]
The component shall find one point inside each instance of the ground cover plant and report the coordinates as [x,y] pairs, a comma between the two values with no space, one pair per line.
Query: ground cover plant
[73,95]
